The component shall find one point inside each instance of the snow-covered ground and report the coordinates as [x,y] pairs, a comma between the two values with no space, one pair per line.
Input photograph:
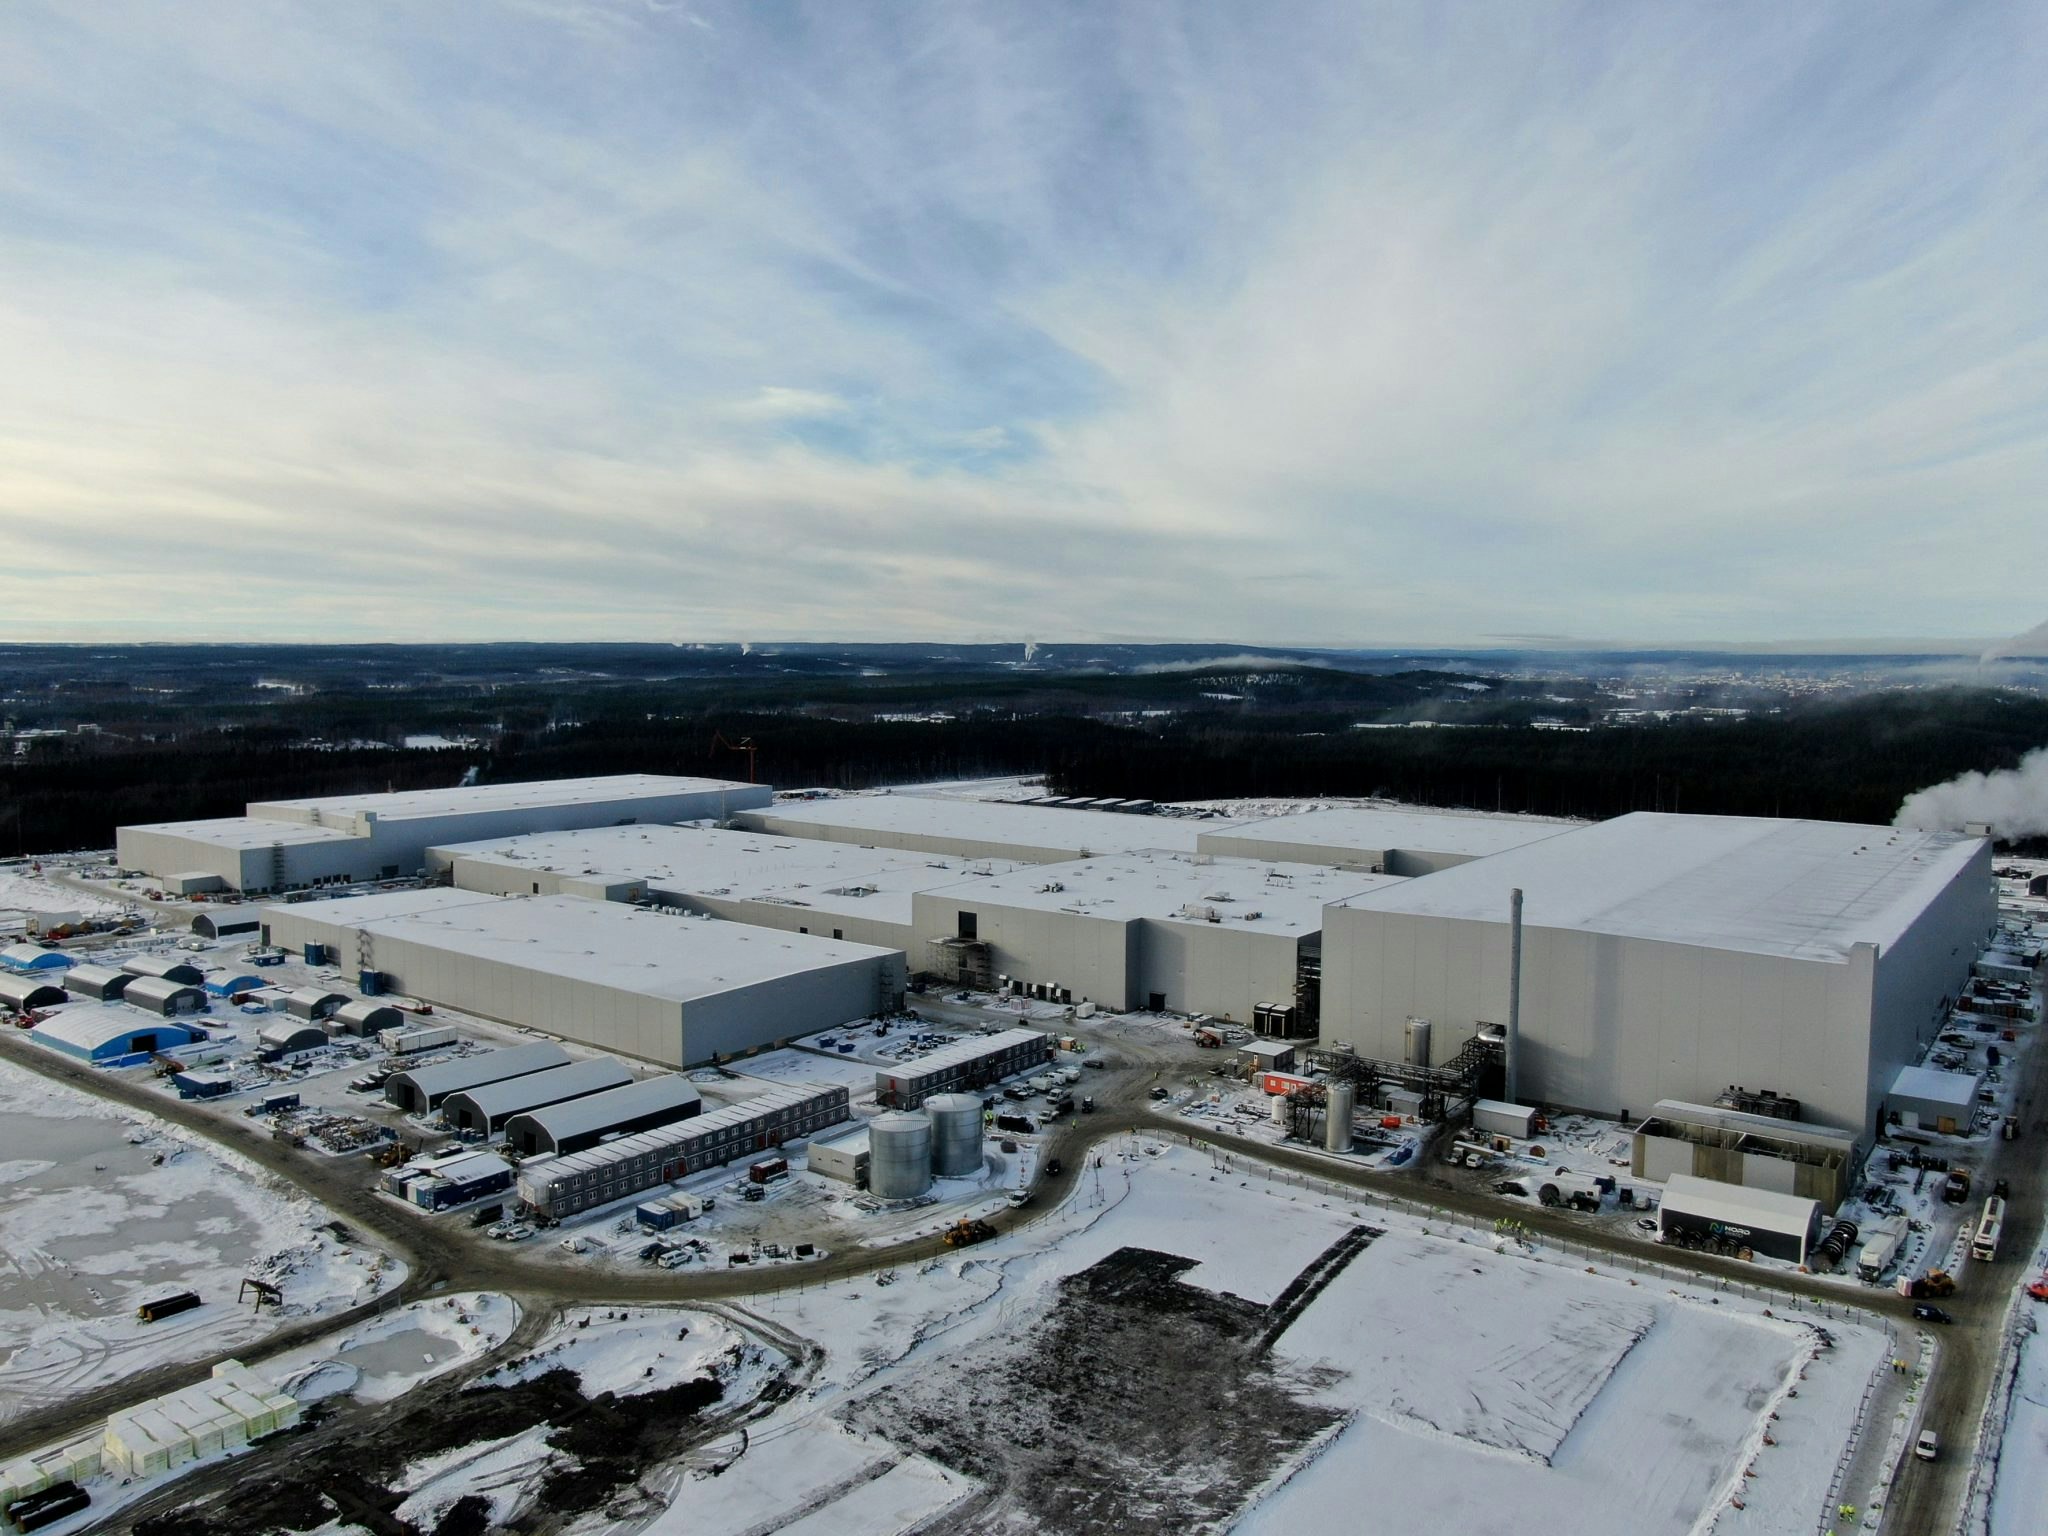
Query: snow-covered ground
[104,1209]
[1470,1383]
[633,1350]
[24,891]
[388,1356]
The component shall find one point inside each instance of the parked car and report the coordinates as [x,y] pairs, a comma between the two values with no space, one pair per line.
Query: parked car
[1928,1446]
[1930,1314]
[1999,1189]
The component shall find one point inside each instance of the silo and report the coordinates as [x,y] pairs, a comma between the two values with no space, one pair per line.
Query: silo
[956,1134]
[899,1155]
[1417,1043]
[1280,1109]
[1343,1101]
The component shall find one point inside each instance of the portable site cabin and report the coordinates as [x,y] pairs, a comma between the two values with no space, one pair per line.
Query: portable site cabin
[164,968]
[21,993]
[1930,1100]
[315,1003]
[100,982]
[33,959]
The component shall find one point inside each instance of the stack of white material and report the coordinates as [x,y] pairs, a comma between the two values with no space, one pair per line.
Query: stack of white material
[231,1408]
[74,1462]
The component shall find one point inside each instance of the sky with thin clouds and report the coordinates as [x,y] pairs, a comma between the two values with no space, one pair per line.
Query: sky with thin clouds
[1364,323]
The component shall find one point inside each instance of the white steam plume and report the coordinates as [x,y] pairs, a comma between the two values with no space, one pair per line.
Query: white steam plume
[2014,801]
[2033,643]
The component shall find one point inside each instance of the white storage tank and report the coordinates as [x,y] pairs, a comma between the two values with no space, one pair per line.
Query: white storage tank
[899,1155]
[956,1134]
[1279,1103]
[1342,1100]
[1417,1043]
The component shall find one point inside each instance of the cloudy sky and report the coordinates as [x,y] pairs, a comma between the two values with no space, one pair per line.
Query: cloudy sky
[1367,323]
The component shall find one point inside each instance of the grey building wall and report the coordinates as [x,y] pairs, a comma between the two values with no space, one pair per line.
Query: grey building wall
[853,928]
[1216,968]
[1093,957]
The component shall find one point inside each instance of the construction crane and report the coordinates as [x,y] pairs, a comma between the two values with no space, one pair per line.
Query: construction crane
[744,744]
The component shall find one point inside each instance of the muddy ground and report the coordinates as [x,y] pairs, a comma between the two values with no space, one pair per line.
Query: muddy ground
[1140,1403]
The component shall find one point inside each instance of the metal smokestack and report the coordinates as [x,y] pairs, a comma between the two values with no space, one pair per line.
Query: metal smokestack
[1512,1062]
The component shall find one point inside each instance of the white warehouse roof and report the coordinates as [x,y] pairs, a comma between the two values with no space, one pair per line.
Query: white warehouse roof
[536,1090]
[1035,832]
[1956,1090]
[1804,889]
[648,953]
[846,878]
[1364,830]
[1177,887]
[479,799]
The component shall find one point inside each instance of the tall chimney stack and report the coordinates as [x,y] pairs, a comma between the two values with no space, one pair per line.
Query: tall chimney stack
[1513,1085]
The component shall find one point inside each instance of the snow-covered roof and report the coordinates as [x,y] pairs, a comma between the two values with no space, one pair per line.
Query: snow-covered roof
[1804,889]
[478,799]
[465,1072]
[1364,831]
[1172,887]
[1740,1205]
[467,1167]
[532,1090]
[90,1028]
[33,957]
[648,953]
[1033,832]
[156,989]
[1958,1090]
[688,861]
[355,911]
[244,832]
[962,1053]
[615,1106]
[550,1167]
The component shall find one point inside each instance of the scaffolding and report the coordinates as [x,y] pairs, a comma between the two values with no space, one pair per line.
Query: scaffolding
[961,963]
[1460,1078]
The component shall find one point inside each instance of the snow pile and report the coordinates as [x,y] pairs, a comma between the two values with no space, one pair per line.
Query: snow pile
[497,1471]
[633,1350]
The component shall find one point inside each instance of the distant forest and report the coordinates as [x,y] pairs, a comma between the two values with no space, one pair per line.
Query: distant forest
[1853,760]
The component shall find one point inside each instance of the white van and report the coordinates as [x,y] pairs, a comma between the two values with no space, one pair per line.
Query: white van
[1928,1447]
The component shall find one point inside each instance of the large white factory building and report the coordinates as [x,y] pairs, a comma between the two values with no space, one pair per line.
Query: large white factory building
[1672,957]
[285,844]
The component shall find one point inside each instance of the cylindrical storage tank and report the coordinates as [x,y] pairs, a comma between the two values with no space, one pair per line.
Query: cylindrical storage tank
[1342,1101]
[899,1155]
[1279,1109]
[956,1134]
[1417,1043]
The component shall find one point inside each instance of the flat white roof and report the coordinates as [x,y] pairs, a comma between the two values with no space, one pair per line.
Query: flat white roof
[1363,830]
[355,911]
[962,1053]
[477,799]
[1071,834]
[1809,890]
[1171,887]
[1739,1204]
[244,832]
[649,953]
[842,878]
[1955,1089]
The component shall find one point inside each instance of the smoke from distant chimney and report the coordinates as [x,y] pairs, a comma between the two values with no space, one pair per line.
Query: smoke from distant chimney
[2033,643]
[2014,801]
[1031,649]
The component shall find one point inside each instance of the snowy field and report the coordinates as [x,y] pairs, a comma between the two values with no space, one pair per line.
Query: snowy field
[23,891]
[104,1209]
[2019,1499]
[388,1356]
[1456,1385]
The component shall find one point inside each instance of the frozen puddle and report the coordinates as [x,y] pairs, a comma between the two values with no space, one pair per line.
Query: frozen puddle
[400,1354]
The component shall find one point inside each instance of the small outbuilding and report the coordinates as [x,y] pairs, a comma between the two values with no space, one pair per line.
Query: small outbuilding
[485,1109]
[162,995]
[365,1018]
[1729,1218]
[1923,1098]
[100,982]
[1492,1117]
[223,925]
[164,968]
[21,993]
[33,959]
[109,1038]
[1267,1055]
[315,1003]
[284,1039]
[233,984]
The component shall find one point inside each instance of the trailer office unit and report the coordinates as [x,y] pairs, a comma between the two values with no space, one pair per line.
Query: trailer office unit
[1707,1212]
[1378,842]
[969,1064]
[285,844]
[365,1019]
[643,1106]
[677,991]
[22,993]
[1813,1162]
[796,884]
[486,1109]
[165,968]
[101,982]
[33,959]
[579,1181]
[1668,956]
[1926,1099]
[110,1037]
[1493,1118]
[973,829]
[422,1090]
[1151,929]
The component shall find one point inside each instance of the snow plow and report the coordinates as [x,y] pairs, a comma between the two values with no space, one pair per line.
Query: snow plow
[964,1233]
